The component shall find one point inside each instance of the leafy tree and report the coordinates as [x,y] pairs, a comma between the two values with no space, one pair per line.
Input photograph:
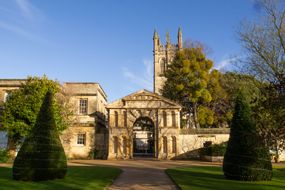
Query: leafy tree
[23,105]
[264,45]
[269,115]
[205,116]
[42,156]
[220,100]
[191,82]
[233,83]
[247,157]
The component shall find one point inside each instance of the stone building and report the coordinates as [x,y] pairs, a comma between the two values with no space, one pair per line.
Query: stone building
[143,124]
[88,134]
[140,124]
[6,85]
[88,131]
[162,57]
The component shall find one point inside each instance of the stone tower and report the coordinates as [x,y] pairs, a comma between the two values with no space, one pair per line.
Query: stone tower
[162,57]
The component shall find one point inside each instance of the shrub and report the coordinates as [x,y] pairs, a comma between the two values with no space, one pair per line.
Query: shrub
[246,158]
[214,150]
[4,155]
[41,156]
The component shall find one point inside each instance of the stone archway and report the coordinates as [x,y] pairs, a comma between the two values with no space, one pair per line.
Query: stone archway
[143,137]
[139,122]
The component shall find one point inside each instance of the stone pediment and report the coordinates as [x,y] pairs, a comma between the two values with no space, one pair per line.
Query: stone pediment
[143,99]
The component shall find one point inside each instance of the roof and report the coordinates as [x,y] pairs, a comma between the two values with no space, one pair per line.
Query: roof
[156,97]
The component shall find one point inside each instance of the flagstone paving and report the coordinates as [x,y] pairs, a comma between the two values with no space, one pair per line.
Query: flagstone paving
[141,174]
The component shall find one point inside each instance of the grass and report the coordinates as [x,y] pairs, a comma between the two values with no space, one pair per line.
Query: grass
[211,178]
[78,178]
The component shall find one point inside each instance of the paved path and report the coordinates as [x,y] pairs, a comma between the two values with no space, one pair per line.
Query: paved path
[141,174]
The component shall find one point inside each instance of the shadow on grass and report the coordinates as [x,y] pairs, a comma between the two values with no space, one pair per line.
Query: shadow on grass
[206,178]
[78,178]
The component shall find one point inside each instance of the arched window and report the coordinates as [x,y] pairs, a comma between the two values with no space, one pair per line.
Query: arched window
[164,118]
[174,145]
[163,66]
[164,145]
[116,119]
[173,118]
[116,145]
[125,145]
[125,119]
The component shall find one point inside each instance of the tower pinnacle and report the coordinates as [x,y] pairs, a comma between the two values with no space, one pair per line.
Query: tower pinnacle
[167,38]
[155,35]
[156,41]
[179,39]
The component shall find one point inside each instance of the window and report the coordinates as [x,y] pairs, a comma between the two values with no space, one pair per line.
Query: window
[116,119]
[116,144]
[125,119]
[173,144]
[81,139]
[173,118]
[164,145]
[163,66]
[164,118]
[125,146]
[83,106]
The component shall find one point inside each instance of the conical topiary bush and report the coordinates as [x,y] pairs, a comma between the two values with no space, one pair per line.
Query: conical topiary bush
[246,158]
[41,156]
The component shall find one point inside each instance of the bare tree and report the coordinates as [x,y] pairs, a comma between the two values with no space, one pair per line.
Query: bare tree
[264,45]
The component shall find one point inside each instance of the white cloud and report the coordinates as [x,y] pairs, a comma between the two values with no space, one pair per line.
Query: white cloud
[22,32]
[21,17]
[225,63]
[29,11]
[15,29]
[143,80]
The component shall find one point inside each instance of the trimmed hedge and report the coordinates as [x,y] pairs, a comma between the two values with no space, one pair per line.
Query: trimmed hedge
[246,158]
[214,150]
[41,156]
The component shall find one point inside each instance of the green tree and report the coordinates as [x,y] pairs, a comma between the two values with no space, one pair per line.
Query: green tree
[247,156]
[190,82]
[233,83]
[269,115]
[220,100]
[264,45]
[41,156]
[23,105]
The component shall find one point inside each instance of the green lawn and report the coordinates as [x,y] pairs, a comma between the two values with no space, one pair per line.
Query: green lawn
[77,178]
[206,178]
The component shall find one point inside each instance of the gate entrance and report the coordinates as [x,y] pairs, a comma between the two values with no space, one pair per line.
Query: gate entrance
[143,137]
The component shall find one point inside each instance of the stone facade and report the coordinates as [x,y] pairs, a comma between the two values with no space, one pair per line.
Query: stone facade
[162,57]
[125,142]
[141,124]
[87,123]
[88,101]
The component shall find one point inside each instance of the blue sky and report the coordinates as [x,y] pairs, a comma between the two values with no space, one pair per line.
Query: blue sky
[110,41]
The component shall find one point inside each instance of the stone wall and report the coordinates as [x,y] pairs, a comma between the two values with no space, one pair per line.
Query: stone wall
[189,144]
[69,141]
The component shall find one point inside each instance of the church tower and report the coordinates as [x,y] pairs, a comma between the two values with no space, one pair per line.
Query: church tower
[162,57]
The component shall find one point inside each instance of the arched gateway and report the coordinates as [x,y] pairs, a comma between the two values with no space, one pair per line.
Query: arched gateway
[143,124]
